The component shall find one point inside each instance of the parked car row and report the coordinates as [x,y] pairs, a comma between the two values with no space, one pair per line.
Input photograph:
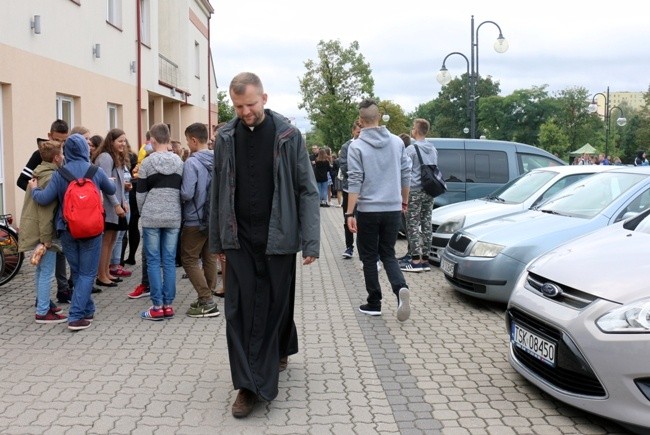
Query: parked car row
[573,272]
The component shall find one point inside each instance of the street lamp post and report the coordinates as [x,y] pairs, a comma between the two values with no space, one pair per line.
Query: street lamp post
[443,76]
[621,121]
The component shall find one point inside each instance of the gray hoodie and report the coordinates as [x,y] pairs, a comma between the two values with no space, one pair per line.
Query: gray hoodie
[158,190]
[378,169]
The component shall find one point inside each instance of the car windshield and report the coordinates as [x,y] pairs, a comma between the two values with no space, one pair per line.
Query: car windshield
[591,195]
[520,189]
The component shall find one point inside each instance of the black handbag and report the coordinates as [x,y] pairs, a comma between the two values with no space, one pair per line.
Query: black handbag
[432,181]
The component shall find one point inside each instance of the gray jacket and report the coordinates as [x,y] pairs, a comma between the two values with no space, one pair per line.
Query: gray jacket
[295,212]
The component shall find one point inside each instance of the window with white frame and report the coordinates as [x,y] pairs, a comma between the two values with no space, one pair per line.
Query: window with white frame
[145,25]
[197,59]
[112,116]
[114,12]
[65,108]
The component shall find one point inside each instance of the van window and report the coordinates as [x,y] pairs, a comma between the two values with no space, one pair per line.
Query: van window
[452,164]
[487,167]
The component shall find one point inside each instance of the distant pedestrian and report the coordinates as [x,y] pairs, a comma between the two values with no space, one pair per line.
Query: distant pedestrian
[159,202]
[343,166]
[378,186]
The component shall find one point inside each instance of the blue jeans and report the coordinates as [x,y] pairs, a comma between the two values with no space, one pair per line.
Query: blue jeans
[43,277]
[322,191]
[160,250]
[83,258]
[376,236]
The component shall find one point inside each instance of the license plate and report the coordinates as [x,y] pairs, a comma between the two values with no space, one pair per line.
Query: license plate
[539,347]
[448,267]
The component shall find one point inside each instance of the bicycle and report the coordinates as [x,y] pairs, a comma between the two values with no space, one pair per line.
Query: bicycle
[10,259]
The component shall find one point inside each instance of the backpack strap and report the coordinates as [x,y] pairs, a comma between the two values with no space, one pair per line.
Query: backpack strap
[92,170]
[417,150]
[66,174]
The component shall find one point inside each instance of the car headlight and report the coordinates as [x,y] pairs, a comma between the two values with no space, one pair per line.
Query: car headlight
[452,225]
[630,318]
[483,249]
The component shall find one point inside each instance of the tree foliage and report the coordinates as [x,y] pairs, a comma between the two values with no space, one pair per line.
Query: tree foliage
[340,78]
[331,89]
[225,109]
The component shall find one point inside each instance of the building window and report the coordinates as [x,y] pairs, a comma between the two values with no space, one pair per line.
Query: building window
[113,112]
[114,12]
[145,26]
[65,109]
[197,59]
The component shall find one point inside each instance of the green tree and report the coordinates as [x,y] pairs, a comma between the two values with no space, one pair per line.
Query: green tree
[553,139]
[225,109]
[452,114]
[571,115]
[331,89]
[398,123]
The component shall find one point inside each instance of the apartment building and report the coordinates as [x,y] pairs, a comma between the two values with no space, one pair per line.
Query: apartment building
[99,64]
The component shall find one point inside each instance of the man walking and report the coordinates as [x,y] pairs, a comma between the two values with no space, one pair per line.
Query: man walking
[378,184]
[264,209]
[418,215]
[343,166]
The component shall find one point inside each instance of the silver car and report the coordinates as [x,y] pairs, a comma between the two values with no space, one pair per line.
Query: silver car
[484,260]
[520,194]
[579,323]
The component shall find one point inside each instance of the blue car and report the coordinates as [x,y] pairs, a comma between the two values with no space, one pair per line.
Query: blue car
[485,260]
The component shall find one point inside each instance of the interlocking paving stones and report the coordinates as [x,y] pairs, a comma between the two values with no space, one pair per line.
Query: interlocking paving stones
[444,371]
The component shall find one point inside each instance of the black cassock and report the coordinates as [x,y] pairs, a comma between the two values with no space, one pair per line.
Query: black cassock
[260,289]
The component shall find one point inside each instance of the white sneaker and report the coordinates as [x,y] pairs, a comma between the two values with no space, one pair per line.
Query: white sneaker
[404,304]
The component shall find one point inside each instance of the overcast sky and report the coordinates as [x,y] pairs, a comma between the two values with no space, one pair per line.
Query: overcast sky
[561,44]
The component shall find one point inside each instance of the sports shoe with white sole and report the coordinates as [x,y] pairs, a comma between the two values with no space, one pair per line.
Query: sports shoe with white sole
[403,304]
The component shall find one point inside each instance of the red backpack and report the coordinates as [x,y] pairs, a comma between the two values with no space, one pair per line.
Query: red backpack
[83,207]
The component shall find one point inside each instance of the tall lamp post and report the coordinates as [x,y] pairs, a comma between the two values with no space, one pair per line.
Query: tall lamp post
[621,121]
[443,76]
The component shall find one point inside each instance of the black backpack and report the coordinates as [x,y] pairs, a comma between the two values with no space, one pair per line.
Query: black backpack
[432,181]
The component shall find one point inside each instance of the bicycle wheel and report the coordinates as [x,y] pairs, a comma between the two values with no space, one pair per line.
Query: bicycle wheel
[12,258]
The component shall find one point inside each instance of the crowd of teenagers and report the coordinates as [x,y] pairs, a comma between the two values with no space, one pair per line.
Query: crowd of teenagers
[163,188]
[247,201]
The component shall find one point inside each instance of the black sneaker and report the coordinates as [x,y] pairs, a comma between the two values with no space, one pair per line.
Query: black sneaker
[64,297]
[369,310]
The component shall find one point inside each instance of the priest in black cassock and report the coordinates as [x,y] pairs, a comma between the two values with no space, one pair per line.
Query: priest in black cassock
[264,210]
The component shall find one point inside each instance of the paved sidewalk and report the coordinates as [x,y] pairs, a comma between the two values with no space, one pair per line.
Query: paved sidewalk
[444,371]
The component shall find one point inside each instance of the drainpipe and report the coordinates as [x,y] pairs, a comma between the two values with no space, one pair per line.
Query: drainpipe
[138,73]
[209,79]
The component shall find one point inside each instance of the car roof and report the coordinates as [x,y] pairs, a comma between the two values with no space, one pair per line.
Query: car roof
[577,169]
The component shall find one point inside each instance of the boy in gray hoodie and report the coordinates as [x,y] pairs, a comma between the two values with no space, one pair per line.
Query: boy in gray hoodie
[199,263]
[379,174]
[159,203]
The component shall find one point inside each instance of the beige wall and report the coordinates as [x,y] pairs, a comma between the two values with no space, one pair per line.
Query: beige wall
[34,68]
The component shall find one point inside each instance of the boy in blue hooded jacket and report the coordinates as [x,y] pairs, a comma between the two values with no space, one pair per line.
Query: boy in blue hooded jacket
[82,255]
